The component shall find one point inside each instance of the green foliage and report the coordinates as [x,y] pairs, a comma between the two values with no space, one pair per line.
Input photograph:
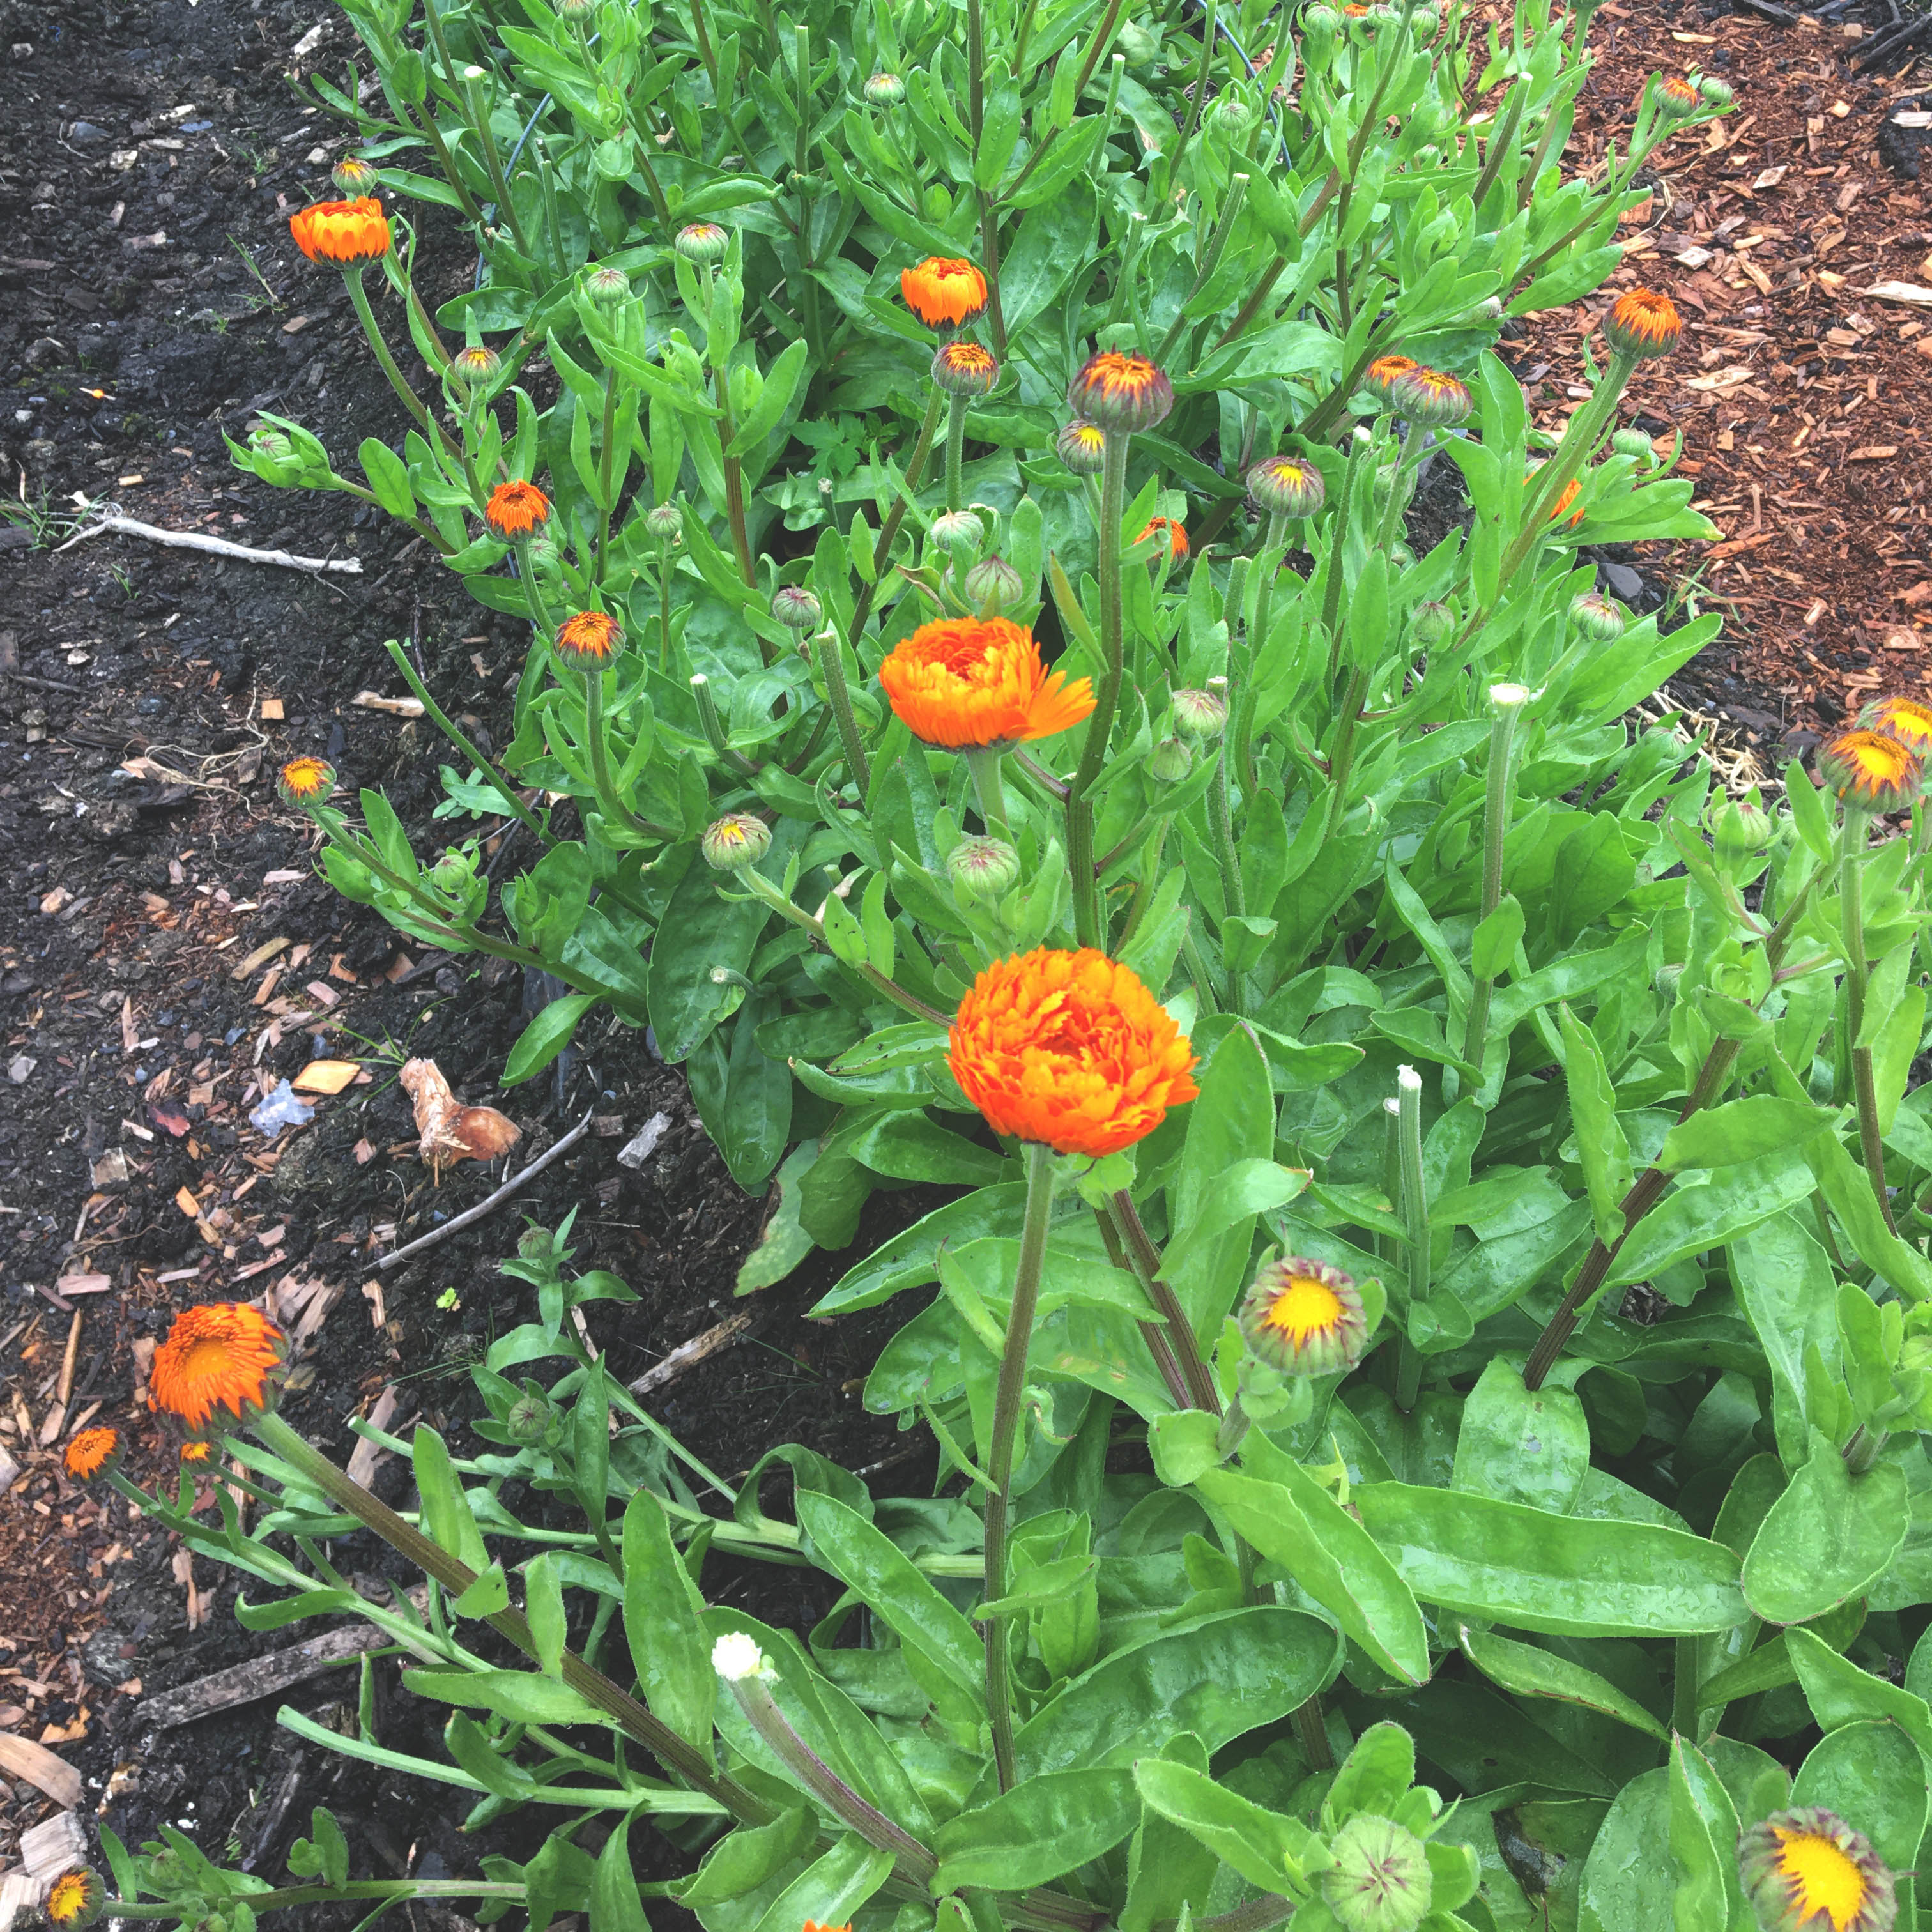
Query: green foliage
[1508,1613]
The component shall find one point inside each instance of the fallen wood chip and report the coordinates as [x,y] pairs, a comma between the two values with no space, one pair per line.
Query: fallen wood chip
[56,1845]
[260,957]
[260,1677]
[398,707]
[21,1757]
[687,1355]
[1908,292]
[363,1458]
[325,1076]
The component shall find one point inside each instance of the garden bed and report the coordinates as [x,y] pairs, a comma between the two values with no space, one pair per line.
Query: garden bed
[155,305]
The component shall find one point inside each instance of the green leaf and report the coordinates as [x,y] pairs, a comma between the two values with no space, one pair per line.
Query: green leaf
[1528,1672]
[1375,1775]
[521,1696]
[781,384]
[668,1647]
[546,1037]
[1559,1575]
[1826,1538]
[543,1610]
[1870,1774]
[1293,1521]
[1492,947]
[870,1563]
[699,932]
[1222,1677]
[784,1244]
[1845,1187]
[1840,1693]
[1699,1901]
[1232,1121]
[1264,1848]
[831,1889]
[489,1593]
[752,1854]
[615,1904]
[1785,1287]
[1709,1214]
[1746,1129]
[1600,1145]
[1520,1447]
[908,1145]
[389,477]
[1044,1827]
[446,1509]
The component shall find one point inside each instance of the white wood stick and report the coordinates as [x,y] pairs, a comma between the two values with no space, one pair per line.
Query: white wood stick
[112,520]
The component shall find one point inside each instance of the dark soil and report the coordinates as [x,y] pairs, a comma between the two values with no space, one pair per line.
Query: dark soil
[150,301]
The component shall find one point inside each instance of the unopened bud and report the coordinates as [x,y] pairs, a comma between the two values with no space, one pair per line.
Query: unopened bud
[475,367]
[796,607]
[1740,828]
[1597,617]
[1717,93]
[1429,623]
[1170,761]
[1200,714]
[529,1418]
[993,585]
[1634,442]
[1380,1880]
[606,286]
[736,841]
[702,241]
[1083,447]
[666,523]
[983,870]
[885,90]
[354,176]
[958,527]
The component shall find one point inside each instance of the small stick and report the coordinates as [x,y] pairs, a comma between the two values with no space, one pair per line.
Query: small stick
[349,566]
[43,683]
[688,1355]
[66,1362]
[471,1215]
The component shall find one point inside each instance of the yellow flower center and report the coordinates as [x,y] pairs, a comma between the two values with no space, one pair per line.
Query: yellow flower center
[66,1899]
[1304,1309]
[1822,1877]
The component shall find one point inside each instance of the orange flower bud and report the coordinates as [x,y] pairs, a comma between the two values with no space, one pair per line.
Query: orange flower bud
[965,369]
[1907,719]
[1175,532]
[516,509]
[306,782]
[944,289]
[90,1453]
[1871,770]
[1642,322]
[347,234]
[1120,389]
[590,641]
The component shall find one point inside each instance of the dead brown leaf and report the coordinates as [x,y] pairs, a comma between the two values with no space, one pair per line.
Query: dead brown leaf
[449,1131]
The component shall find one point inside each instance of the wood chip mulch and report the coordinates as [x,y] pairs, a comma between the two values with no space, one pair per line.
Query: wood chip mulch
[1801,389]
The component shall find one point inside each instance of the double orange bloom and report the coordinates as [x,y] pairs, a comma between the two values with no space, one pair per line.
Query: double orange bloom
[222,1356]
[346,234]
[974,683]
[1068,1049]
[944,289]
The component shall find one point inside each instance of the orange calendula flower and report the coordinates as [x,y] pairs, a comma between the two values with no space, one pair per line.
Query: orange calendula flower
[1175,532]
[1807,1870]
[972,683]
[944,289]
[1872,770]
[77,1899]
[1304,1318]
[197,1452]
[1905,718]
[90,1453]
[306,782]
[1642,323]
[346,234]
[1122,390]
[515,510]
[590,641]
[223,1355]
[1068,1049]
[813,1925]
[1379,377]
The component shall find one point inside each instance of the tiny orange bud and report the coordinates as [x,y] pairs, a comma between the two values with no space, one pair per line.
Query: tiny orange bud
[1175,532]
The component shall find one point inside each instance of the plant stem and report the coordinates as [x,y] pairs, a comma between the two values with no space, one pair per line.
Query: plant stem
[664,606]
[1852,835]
[1415,1217]
[985,766]
[1341,760]
[828,655]
[607,461]
[411,401]
[1086,916]
[1007,1402]
[1152,1332]
[440,719]
[479,119]
[1648,1186]
[280,1439]
[1496,830]
[400,1889]
[1147,1262]
[734,491]
[955,449]
[614,807]
[1311,1732]
[713,726]
[861,602]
